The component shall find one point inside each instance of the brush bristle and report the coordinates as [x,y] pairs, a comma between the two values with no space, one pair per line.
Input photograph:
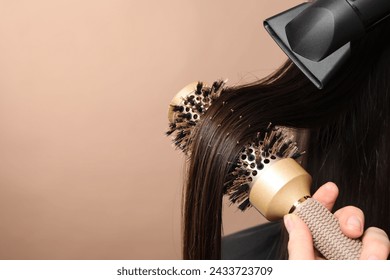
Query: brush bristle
[269,145]
[190,110]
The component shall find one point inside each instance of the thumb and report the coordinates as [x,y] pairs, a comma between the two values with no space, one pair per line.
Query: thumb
[300,244]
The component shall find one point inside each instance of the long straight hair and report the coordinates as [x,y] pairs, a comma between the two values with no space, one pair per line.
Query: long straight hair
[349,138]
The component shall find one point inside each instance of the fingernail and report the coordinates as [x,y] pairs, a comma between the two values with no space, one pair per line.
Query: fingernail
[329,186]
[288,222]
[354,223]
[373,258]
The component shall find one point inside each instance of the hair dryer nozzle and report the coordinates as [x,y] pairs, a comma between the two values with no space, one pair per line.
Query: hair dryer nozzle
[319,72]
[317,36]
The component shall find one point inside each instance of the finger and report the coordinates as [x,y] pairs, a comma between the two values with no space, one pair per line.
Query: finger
[351,220]
[327,195]
[376,245]
[300,243]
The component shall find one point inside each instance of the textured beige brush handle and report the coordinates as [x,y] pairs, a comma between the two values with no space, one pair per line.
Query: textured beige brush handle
[327,236]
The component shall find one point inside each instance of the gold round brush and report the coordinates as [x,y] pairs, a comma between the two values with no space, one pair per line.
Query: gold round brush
[265,174]
[267,177]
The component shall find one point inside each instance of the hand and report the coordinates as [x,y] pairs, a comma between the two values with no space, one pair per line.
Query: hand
[376,245]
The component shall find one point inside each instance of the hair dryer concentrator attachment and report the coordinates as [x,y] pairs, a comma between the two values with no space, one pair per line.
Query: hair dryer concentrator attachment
[317,36]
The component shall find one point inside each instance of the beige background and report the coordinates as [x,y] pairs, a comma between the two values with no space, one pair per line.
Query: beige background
[85,169]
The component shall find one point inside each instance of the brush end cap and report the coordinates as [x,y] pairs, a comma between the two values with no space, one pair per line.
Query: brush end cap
[178,99]
[279,188]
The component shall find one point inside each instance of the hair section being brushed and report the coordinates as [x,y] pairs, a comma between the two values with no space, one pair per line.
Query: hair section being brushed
[348,126]
[216,142]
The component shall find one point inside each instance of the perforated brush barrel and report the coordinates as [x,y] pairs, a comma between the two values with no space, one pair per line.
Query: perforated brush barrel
[186,109]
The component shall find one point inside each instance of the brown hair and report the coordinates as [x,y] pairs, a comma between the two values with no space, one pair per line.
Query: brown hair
[348,124]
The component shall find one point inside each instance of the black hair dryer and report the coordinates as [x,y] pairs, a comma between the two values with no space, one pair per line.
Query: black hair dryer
[317,36]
